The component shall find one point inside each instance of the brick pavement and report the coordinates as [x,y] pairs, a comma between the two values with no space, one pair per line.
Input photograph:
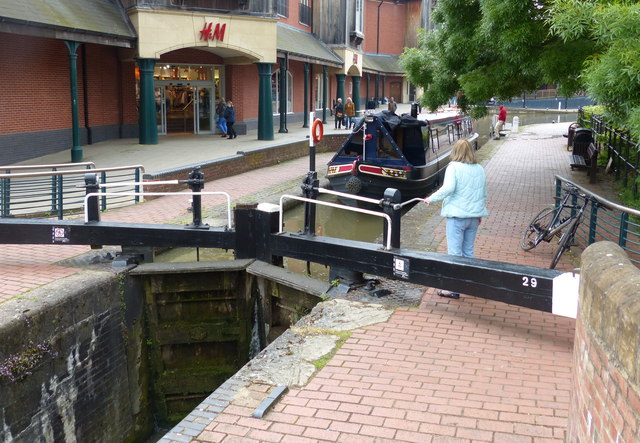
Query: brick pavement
[457,371]
[468,370]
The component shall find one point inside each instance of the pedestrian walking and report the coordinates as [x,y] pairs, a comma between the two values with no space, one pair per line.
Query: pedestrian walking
[392,106]
[230,117]
[222,122]
[502,118]
[339,113]
[349,112]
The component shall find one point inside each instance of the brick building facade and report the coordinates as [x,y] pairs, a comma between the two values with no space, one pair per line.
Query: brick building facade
[189,56]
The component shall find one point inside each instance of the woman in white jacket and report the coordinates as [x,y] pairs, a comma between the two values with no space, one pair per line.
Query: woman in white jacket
[464,195]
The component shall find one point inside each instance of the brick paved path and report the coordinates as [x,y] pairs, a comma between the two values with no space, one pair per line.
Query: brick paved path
[468,370]
[450,371]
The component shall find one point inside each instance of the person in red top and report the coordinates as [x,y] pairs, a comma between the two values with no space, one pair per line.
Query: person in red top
[502,118]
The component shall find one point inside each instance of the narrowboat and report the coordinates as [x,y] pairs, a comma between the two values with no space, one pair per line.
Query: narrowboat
[386,150]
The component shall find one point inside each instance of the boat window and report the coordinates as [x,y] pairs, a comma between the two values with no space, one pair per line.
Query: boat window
[353,148]
[385,148]
[412,146]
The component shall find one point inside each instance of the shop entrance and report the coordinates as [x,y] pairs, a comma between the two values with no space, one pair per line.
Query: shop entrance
[181,109]
[185,98]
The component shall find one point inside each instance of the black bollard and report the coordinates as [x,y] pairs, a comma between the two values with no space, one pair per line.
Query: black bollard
[196,184]
[91,187]
[310,190]
[391,206]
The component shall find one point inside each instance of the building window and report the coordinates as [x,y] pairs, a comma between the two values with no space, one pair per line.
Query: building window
[282,7]
[305,13]
[359,23]
[275,92]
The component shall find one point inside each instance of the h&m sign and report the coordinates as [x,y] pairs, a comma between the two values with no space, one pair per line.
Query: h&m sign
[208,32]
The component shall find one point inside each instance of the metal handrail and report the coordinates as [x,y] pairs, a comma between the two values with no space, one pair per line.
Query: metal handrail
[603,200]
[73,171]
[181,193]
[604,225]
[339,206]
[44,193]
[50,166]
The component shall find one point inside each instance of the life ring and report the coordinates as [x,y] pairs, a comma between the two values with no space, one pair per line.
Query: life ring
[315,132]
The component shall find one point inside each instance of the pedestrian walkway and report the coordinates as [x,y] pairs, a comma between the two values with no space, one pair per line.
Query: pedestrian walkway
[452,370]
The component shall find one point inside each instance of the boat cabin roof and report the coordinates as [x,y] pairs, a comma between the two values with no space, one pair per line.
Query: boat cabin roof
[406,138]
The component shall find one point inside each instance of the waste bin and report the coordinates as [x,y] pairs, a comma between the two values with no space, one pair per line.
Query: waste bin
[570,134]
[415,109]
[582,137]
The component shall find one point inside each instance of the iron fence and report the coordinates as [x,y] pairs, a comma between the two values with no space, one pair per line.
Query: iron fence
[618,224]
[45,191]
[621,151]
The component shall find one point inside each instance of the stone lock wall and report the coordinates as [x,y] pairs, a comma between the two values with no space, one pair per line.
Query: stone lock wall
[70,370]
[605,404]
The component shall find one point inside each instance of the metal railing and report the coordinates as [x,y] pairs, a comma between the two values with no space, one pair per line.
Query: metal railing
[45,191]
[622,152]
[339,206]
[449,131]
[618,224]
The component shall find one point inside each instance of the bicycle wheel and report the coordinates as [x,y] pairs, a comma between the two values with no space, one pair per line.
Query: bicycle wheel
[534,233]
[565,242]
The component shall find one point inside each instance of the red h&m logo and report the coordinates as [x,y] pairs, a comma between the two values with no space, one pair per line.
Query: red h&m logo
[216,34]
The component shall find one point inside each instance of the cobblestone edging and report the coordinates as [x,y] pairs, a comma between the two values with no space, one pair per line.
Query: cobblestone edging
[194,423]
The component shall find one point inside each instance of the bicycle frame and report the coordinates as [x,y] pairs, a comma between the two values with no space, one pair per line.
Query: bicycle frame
[557,224]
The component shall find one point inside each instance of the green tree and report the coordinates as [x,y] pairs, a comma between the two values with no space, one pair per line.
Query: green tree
[493,48]
[612,74]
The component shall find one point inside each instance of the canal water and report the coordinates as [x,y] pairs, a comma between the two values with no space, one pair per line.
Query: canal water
[345,224]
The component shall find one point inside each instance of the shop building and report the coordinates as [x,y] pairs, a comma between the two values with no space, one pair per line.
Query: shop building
[84,71]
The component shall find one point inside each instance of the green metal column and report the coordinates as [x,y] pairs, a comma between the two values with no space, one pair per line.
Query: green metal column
[305,121]
[377,89]
[265,107]
[356,92]
[384,78]
[283,96]
[147,124]
[368,83]
[340,94]
[325,87]
[76,150]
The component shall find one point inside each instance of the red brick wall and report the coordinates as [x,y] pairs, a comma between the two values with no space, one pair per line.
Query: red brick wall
[392,27]
[35,83]
[103,85]
[128,105]
[242,84]
[297,71]
[294,16]
[37,87]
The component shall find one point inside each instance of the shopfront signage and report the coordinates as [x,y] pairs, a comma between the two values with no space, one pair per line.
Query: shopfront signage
[211,33]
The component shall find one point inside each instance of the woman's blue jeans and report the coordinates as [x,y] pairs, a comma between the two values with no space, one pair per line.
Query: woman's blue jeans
[461,235]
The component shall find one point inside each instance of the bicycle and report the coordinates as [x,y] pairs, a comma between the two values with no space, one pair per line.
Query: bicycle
[551,222]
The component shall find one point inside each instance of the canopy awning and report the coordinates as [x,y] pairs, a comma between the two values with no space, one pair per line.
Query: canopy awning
[304,46]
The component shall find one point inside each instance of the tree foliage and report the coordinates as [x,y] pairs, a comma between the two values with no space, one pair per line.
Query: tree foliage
[494,48]
[611,74]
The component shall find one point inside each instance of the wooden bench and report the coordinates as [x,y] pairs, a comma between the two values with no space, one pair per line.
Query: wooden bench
[590,161]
